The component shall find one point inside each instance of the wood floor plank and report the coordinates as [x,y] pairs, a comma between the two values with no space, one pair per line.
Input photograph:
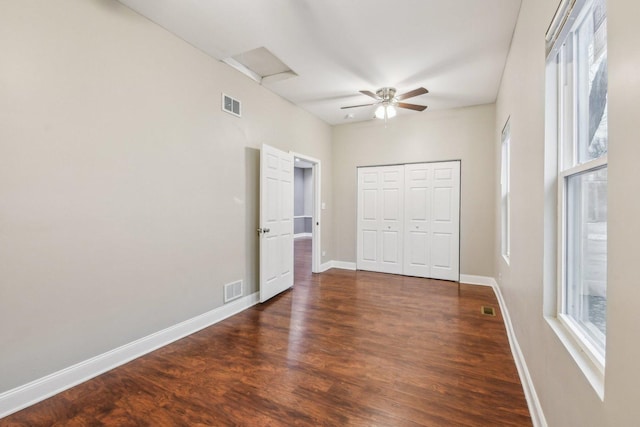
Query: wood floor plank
[342,348]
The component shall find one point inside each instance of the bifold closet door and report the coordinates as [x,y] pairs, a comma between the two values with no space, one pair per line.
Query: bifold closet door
[409,219]
[418,191]
[445,221]
[432,220]
[380,219]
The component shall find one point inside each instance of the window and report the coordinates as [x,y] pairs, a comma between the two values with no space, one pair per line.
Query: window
[577,68]
[505,204]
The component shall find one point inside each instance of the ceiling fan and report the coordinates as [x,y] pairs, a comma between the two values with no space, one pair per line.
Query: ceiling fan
[387,101]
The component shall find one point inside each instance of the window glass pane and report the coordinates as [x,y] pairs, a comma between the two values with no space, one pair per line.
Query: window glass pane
[566,102]
[505,202]
[586,291]
[591,80]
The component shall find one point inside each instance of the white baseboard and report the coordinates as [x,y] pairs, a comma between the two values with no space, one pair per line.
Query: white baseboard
[326,266]
[477,280]
[26,395]
[535,409]
[344,265]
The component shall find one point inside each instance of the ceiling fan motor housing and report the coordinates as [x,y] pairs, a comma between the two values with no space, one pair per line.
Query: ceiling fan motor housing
[386,93]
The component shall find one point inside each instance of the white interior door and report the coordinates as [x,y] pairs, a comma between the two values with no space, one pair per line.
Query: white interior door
[380,219]
[445,221]
[418,191]
[276,222]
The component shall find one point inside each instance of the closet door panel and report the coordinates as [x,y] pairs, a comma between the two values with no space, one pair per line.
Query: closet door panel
[380,219]
[417,247]
[368,219]
[369,246]
[441,251]
[442,205]
[392,214]
[390,252]
[417,251]
[445,248]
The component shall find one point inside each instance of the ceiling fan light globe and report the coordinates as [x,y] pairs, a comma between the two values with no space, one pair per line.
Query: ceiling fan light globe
[380,112]
[391,111]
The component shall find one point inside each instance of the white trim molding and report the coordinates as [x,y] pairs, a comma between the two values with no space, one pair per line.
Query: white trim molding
[316,218]
[326,266]
[31,393]
[299,235]
[535,409]
[343,265]
[477,280]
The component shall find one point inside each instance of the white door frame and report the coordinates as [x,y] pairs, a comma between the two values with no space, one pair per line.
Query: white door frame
[316,251]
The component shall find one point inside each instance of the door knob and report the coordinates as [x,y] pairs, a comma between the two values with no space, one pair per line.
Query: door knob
[263,230]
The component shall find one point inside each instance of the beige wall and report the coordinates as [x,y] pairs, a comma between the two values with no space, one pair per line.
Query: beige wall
[127,197]
[566,397]
[465,134]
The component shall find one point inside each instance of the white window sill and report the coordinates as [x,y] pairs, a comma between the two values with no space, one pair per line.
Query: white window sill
[591,370]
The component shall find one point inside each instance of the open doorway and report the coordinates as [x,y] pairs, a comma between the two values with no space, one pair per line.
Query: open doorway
[306,220]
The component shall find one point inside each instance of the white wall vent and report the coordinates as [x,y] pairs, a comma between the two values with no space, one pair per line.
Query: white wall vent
[231,105]
[232,291]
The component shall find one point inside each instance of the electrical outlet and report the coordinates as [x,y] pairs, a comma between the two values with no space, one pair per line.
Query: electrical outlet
[324,253]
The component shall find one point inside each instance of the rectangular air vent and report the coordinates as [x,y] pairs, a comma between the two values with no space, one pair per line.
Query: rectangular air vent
[232,291]
[231,105]
[487,311]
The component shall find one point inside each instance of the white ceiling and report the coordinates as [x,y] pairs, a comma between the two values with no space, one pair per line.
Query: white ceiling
[454,48]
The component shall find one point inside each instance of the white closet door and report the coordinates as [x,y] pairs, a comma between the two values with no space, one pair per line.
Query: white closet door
[380,219]
[417,217]
[409,219]
[368,220]
[445,221]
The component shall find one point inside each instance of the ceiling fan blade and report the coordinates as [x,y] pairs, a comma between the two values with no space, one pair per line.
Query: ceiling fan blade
[369,93]
[415,107]
[411,94]
[355,106]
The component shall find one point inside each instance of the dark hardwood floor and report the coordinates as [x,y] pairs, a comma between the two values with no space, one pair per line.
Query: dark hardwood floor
[341,348]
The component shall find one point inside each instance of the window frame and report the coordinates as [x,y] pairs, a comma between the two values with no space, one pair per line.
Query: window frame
[562,129]
[586,343]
